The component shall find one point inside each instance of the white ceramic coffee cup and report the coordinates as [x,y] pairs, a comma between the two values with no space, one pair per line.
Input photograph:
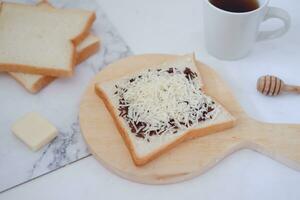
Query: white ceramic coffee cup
[231,35]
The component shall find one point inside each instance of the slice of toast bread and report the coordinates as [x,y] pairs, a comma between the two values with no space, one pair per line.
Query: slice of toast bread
[41,39]
[34,83]
[156,109]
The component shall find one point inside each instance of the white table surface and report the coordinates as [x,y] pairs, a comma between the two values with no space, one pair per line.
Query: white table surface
[174,27]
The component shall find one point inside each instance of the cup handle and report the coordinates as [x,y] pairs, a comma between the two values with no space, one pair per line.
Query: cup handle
[279,13]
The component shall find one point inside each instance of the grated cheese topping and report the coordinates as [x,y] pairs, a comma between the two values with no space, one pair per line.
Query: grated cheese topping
[163,101]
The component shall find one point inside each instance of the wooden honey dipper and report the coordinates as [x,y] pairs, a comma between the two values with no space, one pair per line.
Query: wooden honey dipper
[273,86]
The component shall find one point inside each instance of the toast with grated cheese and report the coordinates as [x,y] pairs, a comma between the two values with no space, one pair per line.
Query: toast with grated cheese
[156,109]
[34,82]
[40,39]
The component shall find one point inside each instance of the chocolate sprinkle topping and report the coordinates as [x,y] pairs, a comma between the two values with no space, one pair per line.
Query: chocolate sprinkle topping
[189,74]
[138,127]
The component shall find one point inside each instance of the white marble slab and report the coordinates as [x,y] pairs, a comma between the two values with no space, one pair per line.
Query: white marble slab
[58,102]
[175,27]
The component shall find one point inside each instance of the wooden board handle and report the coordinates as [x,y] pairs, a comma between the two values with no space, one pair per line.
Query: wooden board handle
[278,141]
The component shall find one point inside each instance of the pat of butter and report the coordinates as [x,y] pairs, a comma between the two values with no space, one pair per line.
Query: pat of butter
[34,130]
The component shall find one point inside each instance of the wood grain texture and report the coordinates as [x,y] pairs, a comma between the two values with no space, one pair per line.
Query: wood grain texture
[192,157]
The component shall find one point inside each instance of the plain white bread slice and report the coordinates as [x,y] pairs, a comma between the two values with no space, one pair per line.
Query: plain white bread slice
[34,83]
[41,39]
[142,150]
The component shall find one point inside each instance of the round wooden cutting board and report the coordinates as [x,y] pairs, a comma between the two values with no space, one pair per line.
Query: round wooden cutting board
[193,157]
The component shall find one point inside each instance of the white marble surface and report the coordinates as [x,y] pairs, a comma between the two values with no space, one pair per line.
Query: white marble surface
[174,26]
[58,102]
[243,176]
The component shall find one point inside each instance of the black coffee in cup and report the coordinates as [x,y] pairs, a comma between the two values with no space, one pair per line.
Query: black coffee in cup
[238,6]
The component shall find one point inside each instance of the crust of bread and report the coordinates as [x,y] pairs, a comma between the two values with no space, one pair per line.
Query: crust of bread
[87,52]
[45,80]
[140,161]
[43,2]
[85,30]
[41,83]
[10,67]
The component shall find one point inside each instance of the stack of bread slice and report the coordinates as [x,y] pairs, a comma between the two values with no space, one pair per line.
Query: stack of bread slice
[40,43]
